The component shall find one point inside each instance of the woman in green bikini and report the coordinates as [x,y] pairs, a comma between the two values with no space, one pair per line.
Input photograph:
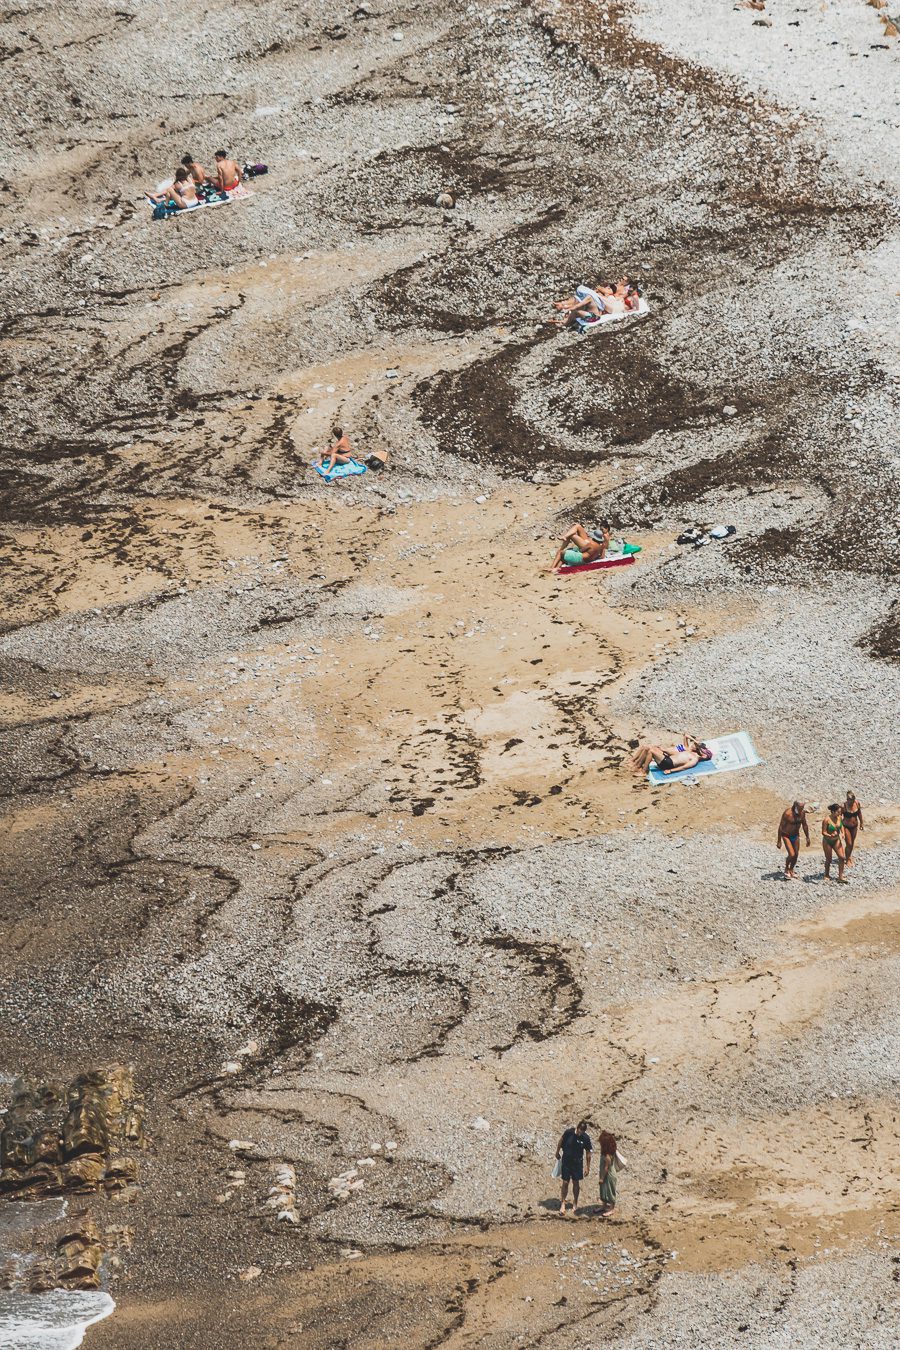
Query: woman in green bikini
[833,842]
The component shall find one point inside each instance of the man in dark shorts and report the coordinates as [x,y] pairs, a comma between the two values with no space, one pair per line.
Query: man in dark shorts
[792,822]
[574,1153]
[670,757]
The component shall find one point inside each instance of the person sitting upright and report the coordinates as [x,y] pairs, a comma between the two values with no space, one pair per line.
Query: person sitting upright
[197,171]
[228,172]
[577,547]
[338,453]
[182,192]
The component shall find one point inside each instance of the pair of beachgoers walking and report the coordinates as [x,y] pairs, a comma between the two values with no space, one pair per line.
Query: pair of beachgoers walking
[574,1153]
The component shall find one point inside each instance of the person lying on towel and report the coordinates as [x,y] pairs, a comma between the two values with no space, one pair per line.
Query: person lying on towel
[670,757]
[588,303]
[577,546]
[338,453]
[584,304]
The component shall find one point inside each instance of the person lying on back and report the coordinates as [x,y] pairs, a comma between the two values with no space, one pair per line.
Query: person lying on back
[613,302]
[578,547]
[584,304]
[670,757]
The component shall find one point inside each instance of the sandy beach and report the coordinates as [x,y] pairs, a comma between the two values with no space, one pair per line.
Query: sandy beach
[329,898]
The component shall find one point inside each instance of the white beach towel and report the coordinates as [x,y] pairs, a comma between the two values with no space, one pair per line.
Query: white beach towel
[588,325]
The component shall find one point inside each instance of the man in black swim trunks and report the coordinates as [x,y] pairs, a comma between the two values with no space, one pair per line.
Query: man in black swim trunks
[574,1149]
[670,757]
[792,822]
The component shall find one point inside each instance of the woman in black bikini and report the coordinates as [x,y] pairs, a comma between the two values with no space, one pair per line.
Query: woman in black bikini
[853,822]
[833,842]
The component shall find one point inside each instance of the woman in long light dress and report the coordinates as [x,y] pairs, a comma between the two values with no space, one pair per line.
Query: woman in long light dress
[608,1172]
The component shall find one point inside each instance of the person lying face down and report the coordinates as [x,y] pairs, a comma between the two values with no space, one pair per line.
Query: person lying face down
[578,547]
[228,172]
[670,757]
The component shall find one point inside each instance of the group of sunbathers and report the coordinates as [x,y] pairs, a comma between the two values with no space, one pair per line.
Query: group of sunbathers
[670,758]
[590,303]
[193,187]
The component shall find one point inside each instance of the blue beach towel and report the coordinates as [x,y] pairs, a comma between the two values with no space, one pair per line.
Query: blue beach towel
[339,470]
[729,753]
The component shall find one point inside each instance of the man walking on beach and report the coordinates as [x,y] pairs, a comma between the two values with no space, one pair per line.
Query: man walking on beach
[792,822]
[574,1149]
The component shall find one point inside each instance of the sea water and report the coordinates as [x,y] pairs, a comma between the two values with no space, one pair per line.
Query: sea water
[54,1321]
[51,1321]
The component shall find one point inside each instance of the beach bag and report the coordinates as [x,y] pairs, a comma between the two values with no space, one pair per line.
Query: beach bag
[621,1162]
[557,1169]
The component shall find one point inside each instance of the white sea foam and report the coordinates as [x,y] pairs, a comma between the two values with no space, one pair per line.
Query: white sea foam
[54,1321]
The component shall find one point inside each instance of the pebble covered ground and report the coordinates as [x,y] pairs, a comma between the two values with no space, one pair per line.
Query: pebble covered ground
[317,801]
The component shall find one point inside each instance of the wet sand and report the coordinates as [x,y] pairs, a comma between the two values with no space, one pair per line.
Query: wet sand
[317,809]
